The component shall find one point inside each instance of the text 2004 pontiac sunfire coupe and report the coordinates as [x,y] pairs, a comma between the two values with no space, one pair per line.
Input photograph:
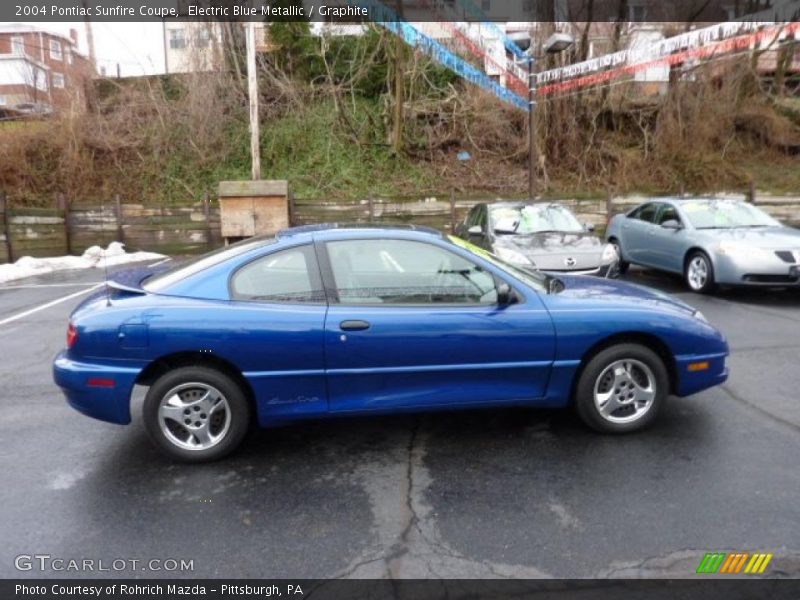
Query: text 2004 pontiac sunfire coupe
[329,320]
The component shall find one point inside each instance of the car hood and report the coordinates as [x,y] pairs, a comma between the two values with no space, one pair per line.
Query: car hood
[613,291]
[771,238]
[552,250]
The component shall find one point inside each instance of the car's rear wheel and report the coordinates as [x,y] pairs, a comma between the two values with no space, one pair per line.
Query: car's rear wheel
[699,273]
[196,414]
[621,389]
[622,266]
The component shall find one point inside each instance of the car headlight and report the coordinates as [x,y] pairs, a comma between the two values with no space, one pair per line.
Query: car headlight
[609,254]
[701,316]
[514,257]
[737,249]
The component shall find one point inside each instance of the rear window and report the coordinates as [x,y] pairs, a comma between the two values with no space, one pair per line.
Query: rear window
[163,280]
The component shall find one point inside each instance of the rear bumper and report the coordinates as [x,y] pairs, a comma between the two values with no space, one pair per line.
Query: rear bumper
[96,390]
[698,372]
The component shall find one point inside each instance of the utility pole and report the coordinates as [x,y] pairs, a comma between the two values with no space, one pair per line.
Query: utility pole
[164,41]
[399,71]
[252,89]
[532,156]
[90,38]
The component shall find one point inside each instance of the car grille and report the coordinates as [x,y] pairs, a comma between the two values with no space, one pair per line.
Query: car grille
[786,256]
[770,278]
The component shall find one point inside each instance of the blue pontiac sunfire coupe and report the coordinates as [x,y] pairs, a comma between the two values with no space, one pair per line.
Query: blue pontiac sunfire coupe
[331,320]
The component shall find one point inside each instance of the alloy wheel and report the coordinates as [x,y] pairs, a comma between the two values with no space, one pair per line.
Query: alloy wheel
[194,416]
[624,391]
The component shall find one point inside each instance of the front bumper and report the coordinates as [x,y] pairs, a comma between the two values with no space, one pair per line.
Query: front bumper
[610,270]
[97,390]
[759,270]
[697,372]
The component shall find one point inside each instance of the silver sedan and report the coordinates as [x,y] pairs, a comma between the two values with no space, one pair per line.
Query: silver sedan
[709,241]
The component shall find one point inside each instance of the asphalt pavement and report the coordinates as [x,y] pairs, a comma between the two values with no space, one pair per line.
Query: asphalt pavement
[503,493]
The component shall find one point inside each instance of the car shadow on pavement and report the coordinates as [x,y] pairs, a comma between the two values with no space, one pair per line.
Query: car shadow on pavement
[674,284]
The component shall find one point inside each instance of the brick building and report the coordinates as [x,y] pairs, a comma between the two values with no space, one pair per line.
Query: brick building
[41,71]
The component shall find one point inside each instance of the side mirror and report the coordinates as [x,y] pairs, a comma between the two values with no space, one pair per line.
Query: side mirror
[475,230]
[505,295]
[671,224]
[589,227]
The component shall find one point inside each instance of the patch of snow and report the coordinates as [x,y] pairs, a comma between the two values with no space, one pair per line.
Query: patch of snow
[93,257]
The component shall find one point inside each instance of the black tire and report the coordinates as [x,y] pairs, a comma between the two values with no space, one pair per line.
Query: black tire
[705,285]
[622,265]
[228,422]
[594,376]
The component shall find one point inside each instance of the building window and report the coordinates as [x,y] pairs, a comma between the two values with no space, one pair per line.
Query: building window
[3,101]
[637,13]
[55,50]
[177,39]
[68,53]
[58,80]
[18,46]
[203,38]
[40,79]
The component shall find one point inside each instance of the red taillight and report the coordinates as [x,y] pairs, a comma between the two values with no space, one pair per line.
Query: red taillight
[72,335]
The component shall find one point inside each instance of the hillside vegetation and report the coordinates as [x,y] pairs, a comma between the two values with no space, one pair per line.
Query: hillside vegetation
[329,126]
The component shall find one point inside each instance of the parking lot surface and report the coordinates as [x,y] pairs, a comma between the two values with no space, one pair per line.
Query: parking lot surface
[505,493]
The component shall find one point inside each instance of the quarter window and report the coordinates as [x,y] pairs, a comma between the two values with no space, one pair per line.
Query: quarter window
[406,272]
[287,276]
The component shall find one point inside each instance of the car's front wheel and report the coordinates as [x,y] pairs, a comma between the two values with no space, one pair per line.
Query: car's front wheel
[699,273]
[621,389]
[196,414]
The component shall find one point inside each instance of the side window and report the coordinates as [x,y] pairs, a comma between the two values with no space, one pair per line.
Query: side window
[406,272]
[645,213]
[668,213]
[287,276]
[482,219]
[474,216]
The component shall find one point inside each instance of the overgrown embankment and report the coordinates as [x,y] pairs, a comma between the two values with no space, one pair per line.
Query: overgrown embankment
[329,125]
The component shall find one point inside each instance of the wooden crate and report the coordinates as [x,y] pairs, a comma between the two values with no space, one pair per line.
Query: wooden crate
[249,208]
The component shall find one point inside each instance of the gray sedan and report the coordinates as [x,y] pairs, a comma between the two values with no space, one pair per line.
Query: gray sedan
[709,241]
[542,235]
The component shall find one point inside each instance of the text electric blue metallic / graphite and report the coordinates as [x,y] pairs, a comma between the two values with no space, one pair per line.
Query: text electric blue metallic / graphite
[326,320]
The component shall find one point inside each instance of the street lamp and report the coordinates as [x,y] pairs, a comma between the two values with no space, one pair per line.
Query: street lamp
[558,42]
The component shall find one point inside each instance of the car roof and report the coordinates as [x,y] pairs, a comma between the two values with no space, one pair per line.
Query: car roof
[688,199]
[344,228]
[516,203]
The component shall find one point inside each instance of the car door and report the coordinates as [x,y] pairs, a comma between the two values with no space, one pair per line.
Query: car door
[636,232]
[666,247]
[275,329]
[413,324]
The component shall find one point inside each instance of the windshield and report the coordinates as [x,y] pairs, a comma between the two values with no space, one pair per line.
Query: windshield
[535,218]
[163,280]
[725,214]
[533,277]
